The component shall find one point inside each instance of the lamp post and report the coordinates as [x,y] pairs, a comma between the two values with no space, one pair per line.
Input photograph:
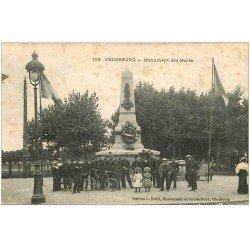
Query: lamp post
[35,68]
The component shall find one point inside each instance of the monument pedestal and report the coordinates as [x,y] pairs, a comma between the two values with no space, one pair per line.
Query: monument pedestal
[129,154]
[127,132]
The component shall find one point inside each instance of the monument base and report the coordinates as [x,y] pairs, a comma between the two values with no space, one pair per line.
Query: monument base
[129,154]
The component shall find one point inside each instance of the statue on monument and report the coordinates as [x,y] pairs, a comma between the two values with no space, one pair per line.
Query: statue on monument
[127,132]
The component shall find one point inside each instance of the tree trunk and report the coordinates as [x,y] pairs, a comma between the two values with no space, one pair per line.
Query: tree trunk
[18,165]
[218,146]
[10,169]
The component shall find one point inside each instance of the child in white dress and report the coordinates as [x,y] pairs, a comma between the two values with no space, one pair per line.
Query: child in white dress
[138,179]
[147,179]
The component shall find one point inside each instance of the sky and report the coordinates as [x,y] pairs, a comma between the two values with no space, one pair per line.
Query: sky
[70,66]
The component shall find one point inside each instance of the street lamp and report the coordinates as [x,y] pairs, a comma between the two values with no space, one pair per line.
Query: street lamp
[35,68]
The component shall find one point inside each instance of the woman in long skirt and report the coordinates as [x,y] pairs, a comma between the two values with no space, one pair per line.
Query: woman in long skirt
[242,171]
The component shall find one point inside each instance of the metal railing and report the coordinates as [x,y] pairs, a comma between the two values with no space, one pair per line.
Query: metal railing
[17,169]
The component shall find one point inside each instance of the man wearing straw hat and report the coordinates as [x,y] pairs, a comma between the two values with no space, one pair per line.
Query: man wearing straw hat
[164,173]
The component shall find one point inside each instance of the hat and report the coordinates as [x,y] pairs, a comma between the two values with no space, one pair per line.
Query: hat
[188,156]
[164,159]
[243,158]
[147,168]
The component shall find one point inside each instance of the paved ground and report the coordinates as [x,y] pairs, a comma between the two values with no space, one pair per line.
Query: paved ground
[221,190]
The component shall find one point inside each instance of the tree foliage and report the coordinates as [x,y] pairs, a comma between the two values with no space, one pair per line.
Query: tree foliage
[78,128]
[177,122]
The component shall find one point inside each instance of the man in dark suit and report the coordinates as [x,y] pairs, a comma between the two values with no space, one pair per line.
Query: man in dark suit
[175,170]
[194,168]
[55,175]
[118,171]
[82,165]
[101,171]
[135,163]
[66,175]
[125,172]
[60,172]
[76,176]
[157,165]
[164,173]
[144,164]
[188,167]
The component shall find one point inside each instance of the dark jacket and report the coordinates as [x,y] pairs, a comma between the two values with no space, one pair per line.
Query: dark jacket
[118,167]
[76,170]
[55,172]
[100,166]
[175,168]
[194,166]
[164,169]
[135,164]
[188,166]
[144,164]
[66,170]
[125,164]
[152,165]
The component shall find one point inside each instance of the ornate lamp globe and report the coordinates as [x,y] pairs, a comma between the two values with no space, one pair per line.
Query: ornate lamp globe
[35,68]
[34,77]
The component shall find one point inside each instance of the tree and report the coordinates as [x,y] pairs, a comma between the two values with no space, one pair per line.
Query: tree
[82,123]
[177,122]
[77,128]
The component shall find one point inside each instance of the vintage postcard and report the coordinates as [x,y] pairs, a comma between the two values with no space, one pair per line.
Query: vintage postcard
[124,123]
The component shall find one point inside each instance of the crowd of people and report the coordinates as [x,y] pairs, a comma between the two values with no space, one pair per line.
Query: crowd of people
[145,171]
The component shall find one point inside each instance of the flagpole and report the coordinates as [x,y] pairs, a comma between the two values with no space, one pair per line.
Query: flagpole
[210,122]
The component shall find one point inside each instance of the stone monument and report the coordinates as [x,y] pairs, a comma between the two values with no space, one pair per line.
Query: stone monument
[127,132]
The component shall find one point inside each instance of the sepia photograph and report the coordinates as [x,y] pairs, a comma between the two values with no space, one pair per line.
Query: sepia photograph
[124,123]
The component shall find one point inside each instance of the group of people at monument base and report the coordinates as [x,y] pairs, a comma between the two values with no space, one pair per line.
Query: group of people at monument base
[146,171]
